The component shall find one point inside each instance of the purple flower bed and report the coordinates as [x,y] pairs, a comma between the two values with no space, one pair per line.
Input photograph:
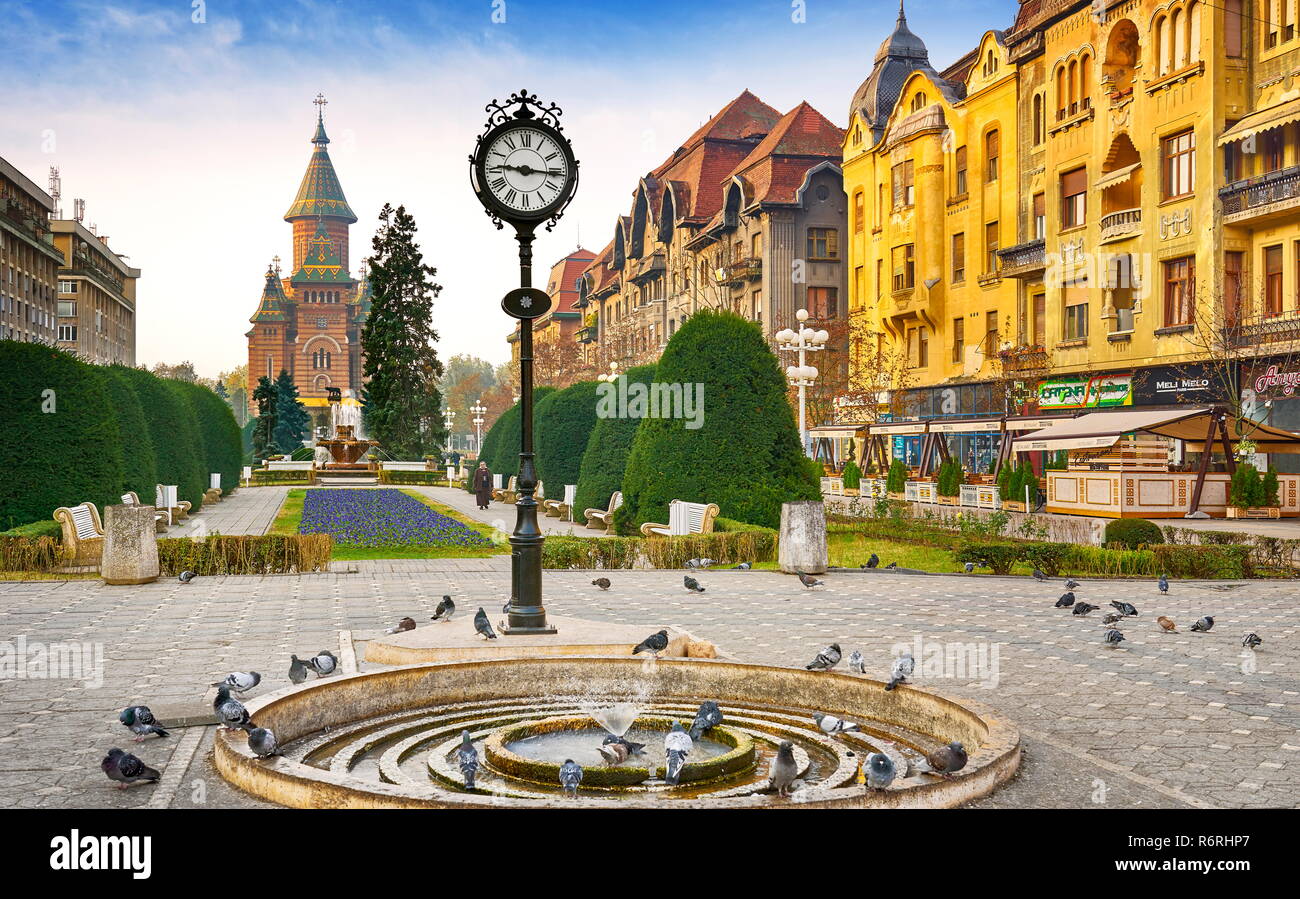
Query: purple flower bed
[382,518]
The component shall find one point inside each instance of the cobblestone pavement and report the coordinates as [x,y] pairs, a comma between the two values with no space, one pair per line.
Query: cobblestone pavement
[249,510]
[1165,720]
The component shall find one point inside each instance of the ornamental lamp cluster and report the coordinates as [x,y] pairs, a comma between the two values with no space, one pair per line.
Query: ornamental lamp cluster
[611,376]
[802,375]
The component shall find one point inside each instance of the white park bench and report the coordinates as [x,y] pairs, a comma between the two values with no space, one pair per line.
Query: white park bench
[501,493]
[131,498]
[605,517]
[83,534]
[683,518]
[213,493]
[559,508]
[832,486]
[164,500]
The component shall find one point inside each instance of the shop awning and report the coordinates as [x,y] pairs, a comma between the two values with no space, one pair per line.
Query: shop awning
[1119,176]
[836,431]
[1102,429]
[1263,120]
[1035,424]
[967,426]
[909,427]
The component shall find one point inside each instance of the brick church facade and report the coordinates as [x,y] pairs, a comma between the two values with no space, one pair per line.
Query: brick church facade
[309,319]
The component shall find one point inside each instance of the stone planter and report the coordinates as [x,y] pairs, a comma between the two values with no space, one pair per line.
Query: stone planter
[802,542]
[1254,512]
[130,545]
[1011,506]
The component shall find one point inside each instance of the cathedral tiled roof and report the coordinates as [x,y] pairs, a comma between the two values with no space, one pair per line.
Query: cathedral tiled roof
[272,306]
[320,192]
[321,263]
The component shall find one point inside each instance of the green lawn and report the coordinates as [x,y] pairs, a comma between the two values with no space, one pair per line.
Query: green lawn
[290,516]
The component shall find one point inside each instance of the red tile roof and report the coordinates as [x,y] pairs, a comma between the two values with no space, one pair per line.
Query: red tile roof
[776,168]
[562,284]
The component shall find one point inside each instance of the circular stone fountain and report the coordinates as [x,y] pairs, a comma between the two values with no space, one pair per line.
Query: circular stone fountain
[388,738]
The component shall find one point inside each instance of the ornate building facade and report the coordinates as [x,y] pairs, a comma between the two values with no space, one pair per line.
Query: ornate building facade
[309,320]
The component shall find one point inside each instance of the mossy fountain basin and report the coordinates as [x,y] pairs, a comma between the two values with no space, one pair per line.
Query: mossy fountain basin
[387,738]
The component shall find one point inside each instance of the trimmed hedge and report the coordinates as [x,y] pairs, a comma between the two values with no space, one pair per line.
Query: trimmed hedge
[416,478]
[62,443]
[1133,533]
[748,544]
[505,458]
[746,457]
[249,554]
[605,457]
[263,478]
[46,528]
[218,433]
[174,431]
[139,470]
[564,422]
[30,553]
[1001,557]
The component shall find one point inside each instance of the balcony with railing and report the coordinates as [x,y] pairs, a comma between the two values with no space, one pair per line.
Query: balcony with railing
[1262,328]
[588,334]
[1120,224]
[1023,260]
[742,270]
[1024,360]
[1274,194]
[649,267]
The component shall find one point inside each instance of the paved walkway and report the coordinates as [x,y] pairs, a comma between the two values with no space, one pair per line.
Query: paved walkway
[1166,720]
[502,515]
[249,510]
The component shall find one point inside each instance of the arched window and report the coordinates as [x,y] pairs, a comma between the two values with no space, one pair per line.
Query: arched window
[1178,41]
[1061,101]
[1163,45]
[1194,32]
[1072,88]
[1085,80]
[918,101]
[1232,44]
[991,153]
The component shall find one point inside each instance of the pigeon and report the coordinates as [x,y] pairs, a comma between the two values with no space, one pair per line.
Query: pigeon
[1203,624]
[1163,584]
[1084,608]
[1113,637]
[873,561]
[570,776]
[825,660]
[141,722]
[242,681]
[700,563]
[186,576]
[832,725]
[709,716]
[784,769]
[1039,576]
[601,582]
[446,608]
[892,566]
[808,580]
[230,712]
[297,670]
[1251,640]
[482,625]
[1071,584]
[406,624]
[323,663]
[947,760]
[632,747]
[1112,618]
[880,771]
[969,566]
[677,745]
[1166,624]
[904,665]
[743,566]
[467,756]
[857,664]
[126,769]
[1124,608]
[655,644]
[614,753]
[1066,600]
[261,742]
[505,608]
[692,584]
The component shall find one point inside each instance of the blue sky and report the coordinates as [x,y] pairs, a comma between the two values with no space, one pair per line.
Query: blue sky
[187,138]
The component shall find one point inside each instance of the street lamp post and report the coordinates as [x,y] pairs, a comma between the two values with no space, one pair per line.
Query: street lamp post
[478,410]
[805,340]
[447,418]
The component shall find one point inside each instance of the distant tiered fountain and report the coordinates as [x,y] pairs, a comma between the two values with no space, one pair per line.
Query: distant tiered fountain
[347,451]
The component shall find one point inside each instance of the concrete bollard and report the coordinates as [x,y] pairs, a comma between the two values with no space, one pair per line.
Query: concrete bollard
[803,537]
[130,545]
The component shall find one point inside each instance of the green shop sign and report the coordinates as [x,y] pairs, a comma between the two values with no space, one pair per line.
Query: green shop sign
[1099,392]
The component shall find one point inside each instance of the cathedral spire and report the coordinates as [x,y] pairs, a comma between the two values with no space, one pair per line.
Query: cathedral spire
[320,140]
[320,192]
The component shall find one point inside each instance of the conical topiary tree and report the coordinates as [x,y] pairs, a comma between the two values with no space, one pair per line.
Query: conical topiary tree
[139,468]
[564,421]
[744,454]
[218,434]
[610,443]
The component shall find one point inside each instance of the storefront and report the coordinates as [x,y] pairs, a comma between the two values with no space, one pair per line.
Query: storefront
[1270,393]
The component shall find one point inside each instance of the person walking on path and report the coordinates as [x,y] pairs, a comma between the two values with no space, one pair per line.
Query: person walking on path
[482,485]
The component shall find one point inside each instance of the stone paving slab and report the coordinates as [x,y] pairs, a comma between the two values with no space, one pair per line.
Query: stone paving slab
[1165,720]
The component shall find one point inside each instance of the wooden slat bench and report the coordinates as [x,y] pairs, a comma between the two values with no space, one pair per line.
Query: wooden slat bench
[83,533]
[683,518]
[604,517]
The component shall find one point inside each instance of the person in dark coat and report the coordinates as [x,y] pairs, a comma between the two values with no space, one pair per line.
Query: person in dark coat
[482,485]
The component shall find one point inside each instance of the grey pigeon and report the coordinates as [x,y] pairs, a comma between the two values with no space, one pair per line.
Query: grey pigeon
[406,624]
[126,769]
[1038,575]
[969,566]
[1124,608]
[1084,608]
[261,742]
[808,580]
[708,717]
[1112,618]
[892,566]
[186,577]
[601,582]
[445,609]
[297,670]
[632,747]
[1163,584]
[1113,637]
[825,660]
[1203,624]
[677,746]
[242,681]
[570,776]
[880,771]
[141,722]
[692,584]
[655,644]
[1251,640]
[857,664]
[829,724]
[614,753]
[743,566]
[323,663]
[784,769]
[505,607]
[903,667]
[467,756]
[692,563]
[1071,584]
[873,560]
[947,760]
[1066,600]
[482,625]
[230,712]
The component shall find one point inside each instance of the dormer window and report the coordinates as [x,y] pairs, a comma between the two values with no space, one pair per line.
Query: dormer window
[918,102]
[990,64]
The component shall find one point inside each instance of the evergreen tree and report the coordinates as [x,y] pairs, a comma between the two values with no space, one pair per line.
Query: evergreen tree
[264,427]
[292,423]
[402,402]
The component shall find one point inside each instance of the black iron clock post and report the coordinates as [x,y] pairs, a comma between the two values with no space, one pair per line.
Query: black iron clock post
[524,173]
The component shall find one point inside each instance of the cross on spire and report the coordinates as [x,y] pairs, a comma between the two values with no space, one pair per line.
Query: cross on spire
[275,263]
[321,103]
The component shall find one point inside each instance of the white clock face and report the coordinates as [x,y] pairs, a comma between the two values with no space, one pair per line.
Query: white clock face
[526,170]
